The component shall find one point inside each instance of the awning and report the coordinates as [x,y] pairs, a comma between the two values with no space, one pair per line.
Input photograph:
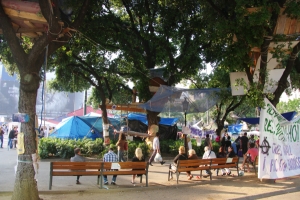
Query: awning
[255,120]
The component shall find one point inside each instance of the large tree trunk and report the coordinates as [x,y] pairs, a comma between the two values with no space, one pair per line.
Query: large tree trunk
[152,118]
[25,185]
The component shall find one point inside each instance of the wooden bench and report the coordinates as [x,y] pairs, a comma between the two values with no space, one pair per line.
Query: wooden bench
[188,166]
[74,169]
[221,163]
[203,164]
[124,168]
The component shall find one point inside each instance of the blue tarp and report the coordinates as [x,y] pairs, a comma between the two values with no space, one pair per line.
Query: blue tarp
[255,120]
[79,127]
[235,128]
[143,119]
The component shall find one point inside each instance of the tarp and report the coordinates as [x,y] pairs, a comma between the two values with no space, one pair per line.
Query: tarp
[167,126]
[255,120]
[79,127]
[143,119]
[73,128]
[172,99]
[236,128]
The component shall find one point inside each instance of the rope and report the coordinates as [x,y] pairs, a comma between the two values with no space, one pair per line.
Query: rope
[43,87]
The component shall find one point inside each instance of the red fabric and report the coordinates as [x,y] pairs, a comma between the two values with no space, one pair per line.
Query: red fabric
[253,153]
[79,112]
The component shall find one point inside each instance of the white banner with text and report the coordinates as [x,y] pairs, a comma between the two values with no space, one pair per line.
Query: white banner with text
[279,155]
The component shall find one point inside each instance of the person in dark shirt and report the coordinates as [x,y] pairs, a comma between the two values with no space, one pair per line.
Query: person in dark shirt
[180,156]
[244,143]
[221,153]
[138,157]
[11,137]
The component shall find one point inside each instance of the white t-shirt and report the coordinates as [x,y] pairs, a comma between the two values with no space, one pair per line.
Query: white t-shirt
[209,154]
[155,143]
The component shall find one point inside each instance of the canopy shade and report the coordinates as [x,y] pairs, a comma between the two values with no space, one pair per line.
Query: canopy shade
[143,119]
[171,99]
[255,120]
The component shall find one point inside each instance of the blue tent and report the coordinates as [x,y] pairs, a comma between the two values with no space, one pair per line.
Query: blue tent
[255,120]
[79,127]
[143,119]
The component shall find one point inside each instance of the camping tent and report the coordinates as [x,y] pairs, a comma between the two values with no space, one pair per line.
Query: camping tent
[79,127]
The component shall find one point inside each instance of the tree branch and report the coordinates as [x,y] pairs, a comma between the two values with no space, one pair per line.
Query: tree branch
[283,83]
[13,42]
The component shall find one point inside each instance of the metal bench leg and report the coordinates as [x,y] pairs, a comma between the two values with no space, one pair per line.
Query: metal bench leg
[50,183]
[147,180]
[177,177]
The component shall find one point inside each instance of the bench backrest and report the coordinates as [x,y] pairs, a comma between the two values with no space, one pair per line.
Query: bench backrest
[75,165]
[225,161]
[193,163]
[124,165]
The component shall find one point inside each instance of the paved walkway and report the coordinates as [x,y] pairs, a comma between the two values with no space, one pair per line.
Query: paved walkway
[245,187]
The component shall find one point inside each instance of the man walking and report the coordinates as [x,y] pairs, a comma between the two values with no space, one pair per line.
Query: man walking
[110,157]
[244,143]
[11,137]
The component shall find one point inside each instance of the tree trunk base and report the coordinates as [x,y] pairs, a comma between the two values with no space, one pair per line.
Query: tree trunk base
[26,189]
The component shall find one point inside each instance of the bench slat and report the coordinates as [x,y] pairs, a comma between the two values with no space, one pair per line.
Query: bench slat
[77,173]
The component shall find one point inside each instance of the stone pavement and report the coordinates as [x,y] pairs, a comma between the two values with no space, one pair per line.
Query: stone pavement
[219,188]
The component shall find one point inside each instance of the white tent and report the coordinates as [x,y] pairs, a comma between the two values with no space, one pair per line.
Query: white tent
[253,133]
[93,114]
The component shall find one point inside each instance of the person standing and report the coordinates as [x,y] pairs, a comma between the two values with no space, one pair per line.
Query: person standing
[122,146]
[244,143]
[77,158]
[42,133]
[207,141]
[1,137]
[11,137]
[110,156]
[156,149]
[15,140]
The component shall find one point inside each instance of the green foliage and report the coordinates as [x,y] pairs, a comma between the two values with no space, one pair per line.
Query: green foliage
[291,105]
[200,150]
[65,148]
[293,9]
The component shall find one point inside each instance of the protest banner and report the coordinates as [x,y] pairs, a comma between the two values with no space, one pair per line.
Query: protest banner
[279,145]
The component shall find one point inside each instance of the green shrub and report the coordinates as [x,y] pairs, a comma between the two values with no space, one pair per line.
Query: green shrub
[65,148]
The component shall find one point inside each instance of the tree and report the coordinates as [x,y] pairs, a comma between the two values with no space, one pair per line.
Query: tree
[145,35]
[149,34]
[245,29]
[289,106]
[28,57]
[80,66]
[226,102]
